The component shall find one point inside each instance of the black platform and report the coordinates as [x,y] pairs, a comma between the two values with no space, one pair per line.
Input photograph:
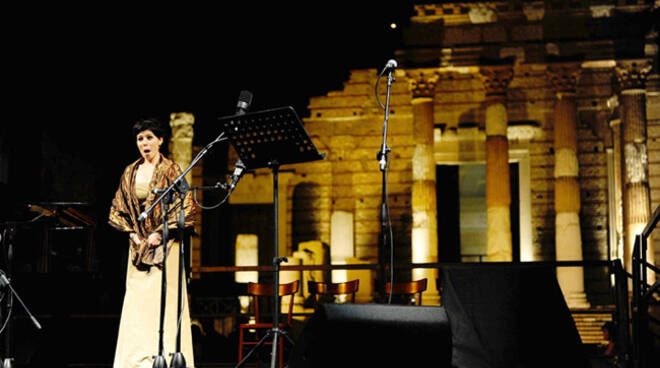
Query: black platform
[374,335]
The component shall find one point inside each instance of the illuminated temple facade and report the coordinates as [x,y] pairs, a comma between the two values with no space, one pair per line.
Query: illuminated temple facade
[519,131]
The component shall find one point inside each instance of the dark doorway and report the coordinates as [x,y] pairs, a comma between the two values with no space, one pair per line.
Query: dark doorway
[461,214]
[447,194]
[515,211]
[255,219]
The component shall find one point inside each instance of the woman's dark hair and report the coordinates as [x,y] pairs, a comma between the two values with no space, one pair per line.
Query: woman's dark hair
[152,124]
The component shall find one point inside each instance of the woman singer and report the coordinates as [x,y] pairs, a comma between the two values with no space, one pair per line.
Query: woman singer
[138,339]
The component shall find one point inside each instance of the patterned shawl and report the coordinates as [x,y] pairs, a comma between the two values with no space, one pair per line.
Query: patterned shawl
[125,210]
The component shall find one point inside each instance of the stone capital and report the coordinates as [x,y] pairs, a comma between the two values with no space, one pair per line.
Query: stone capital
[181,119]
[496,79]
[632,74]
[563,77]
[601,11]
[422,82]
[523,133]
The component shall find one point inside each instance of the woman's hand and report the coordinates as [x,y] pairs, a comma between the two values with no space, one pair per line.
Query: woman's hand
[136,239]
[154,240]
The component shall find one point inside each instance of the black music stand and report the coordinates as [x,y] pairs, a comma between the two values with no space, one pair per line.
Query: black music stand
[270,138]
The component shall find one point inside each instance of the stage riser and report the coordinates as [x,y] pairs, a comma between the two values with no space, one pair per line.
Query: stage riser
[371,335]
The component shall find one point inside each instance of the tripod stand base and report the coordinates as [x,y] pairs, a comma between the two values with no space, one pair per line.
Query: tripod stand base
[178,361]
[273,334]
[159,362]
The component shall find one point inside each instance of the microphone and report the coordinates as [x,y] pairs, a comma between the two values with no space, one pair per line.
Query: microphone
[244,102]
[239,170]
[390,66]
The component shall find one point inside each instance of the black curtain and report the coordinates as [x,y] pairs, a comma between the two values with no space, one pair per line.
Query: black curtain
[508,316]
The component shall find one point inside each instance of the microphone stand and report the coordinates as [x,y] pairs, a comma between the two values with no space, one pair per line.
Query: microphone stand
[166,198]
[182,187]
[383,159]
[7,250]
[7,254]
[4,281]
[178,360]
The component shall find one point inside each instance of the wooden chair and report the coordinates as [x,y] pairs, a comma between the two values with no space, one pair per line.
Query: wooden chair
[257,291]
[415,288]
[320,289]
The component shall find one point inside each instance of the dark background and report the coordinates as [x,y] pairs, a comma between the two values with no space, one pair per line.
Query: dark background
[75,79]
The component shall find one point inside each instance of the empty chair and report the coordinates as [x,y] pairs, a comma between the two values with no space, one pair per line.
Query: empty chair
[258,291]
[411,288]
[320,289]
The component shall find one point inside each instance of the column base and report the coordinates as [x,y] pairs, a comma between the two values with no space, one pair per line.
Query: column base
[498,237]
[431,297]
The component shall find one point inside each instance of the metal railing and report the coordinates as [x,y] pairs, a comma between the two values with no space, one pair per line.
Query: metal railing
[375,266]
[618,285]
[642,295]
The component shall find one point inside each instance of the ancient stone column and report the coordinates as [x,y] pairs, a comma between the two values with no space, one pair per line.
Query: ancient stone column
[181,142]
[424,205]
[568,237]
[181,150]
[498,189]
[615,124]
[631,76]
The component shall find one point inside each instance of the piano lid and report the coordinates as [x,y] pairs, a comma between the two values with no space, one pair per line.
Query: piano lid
[64,214]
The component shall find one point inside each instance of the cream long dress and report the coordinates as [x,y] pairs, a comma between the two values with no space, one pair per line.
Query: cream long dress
[138,339]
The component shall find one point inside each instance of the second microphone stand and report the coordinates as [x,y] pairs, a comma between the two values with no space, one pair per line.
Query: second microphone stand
[383,160]
[178,359]
[166,198]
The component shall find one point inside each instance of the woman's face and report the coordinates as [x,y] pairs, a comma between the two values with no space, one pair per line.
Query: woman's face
[148,144]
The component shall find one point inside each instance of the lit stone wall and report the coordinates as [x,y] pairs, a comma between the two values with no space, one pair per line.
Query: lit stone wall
[347,125]
[594,138]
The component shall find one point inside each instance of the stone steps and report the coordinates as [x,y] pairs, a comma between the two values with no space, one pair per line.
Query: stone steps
[589,325]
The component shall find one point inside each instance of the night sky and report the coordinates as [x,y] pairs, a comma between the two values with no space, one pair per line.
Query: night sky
[82,78]
[98,65]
